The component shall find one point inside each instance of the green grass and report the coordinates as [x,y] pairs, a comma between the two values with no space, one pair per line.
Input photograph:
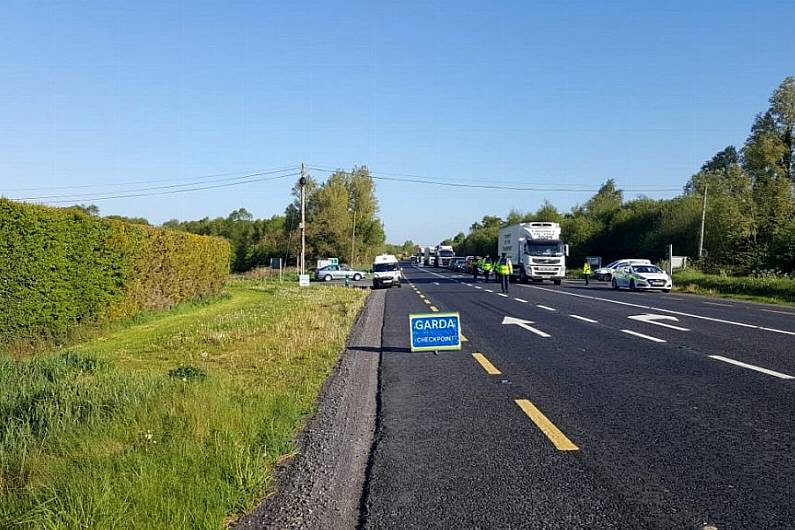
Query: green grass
[770,290]
[175,421]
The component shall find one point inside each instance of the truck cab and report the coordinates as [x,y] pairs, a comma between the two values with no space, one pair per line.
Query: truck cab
[536,251]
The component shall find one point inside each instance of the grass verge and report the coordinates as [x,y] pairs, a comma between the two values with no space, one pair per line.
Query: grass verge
[174,422]
[769,290]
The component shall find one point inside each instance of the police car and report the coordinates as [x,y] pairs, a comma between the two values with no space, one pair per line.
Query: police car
[641,276]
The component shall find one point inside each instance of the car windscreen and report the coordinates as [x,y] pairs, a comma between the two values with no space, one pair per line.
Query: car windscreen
[544,248]
[650,269]
[385,267]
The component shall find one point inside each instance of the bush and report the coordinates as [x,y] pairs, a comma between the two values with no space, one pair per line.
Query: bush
[765,286]
[61,267]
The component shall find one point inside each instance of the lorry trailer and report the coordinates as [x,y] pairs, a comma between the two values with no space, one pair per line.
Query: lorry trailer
[536,251]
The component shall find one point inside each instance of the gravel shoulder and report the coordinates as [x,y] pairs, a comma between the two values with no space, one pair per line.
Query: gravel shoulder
[321,486]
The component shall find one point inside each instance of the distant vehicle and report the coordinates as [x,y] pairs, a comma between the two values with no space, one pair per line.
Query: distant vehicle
[386,271]
[429,257]
[469,262]
[536,251]
[338,272]
[605,273]
[639,276]
[457,264]
[444,253]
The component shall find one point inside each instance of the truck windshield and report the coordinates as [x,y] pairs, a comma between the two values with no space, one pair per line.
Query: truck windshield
[385,267]
[446,253]
[544,248]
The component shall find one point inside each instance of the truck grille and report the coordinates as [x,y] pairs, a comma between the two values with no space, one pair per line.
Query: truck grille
[543,261]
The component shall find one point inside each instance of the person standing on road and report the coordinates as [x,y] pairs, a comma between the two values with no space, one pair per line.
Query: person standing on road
[487,266]
[504,269]
[475,265]
[586,271]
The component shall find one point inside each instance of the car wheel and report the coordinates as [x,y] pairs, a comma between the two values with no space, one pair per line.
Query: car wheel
[614,283]
[327,278]
[357,277]
[632,285]
[666,290]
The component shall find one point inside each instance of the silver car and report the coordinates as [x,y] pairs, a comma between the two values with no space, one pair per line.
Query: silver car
[338,272]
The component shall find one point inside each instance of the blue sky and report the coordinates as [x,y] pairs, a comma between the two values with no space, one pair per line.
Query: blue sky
[556,93]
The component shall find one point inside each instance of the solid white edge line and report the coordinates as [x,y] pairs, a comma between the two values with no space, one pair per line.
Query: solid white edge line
[546,307]
[641,335]
[585,319]
[751,367]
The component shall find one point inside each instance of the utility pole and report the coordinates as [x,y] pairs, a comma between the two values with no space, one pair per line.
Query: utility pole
[703,217]
[353,239]
[302,183]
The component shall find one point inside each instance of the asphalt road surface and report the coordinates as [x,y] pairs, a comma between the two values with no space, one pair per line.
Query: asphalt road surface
[584,408]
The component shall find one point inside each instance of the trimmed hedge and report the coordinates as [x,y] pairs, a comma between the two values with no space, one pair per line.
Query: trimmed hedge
[62,267]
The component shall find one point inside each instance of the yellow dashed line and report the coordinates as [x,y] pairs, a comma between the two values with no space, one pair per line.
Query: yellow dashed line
[547,427]
[486,364]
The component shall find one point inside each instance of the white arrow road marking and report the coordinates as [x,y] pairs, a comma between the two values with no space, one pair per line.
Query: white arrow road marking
[641,335]
[751,367]
[653,319]
[525,324]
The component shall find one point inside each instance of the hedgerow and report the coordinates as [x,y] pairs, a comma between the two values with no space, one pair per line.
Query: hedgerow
[61,267]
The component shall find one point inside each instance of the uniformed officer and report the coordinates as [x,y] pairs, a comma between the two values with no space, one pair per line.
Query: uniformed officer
[476,264]
[487,266]
[586,271]
[504,269]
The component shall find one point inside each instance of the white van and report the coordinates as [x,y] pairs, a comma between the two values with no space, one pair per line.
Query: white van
[386,271]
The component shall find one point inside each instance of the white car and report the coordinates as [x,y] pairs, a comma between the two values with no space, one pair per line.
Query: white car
[645,277]
[606,273]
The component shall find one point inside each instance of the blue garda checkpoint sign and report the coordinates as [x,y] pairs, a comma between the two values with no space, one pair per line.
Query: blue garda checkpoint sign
[435,331]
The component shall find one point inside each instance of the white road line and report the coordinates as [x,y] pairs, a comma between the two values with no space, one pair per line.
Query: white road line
[520,300]
[751,367]
[779,312]
[652,308]
[436,283]
[478,287]
[503,295]
[488,290]
[468,284]
[641,335]
[585,319]
[722,305]
[546,307]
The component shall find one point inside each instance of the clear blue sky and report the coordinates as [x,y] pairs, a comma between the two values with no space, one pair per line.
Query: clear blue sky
[567,93]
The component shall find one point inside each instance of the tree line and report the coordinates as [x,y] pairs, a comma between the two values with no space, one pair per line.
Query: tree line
[750,213]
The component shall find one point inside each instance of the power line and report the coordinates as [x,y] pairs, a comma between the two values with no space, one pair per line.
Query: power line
[416,179]
[172,192]
[153,181]
[75,196]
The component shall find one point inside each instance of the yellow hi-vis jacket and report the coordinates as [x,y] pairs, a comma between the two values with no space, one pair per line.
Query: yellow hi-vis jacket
[486,265]
[504,267]
[586,268]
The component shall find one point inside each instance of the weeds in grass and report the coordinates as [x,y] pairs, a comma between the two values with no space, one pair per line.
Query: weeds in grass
[116,432]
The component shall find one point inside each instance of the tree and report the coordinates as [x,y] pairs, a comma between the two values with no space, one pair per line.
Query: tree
[90,209]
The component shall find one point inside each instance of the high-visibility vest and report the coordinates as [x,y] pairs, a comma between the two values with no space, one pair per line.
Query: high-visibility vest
[586,268]
[487,266]
[504,268]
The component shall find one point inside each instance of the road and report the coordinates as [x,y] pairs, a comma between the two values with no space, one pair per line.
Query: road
[585,408]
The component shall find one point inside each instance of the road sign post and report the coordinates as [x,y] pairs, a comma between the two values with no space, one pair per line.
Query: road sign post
[303,280]
[435,331]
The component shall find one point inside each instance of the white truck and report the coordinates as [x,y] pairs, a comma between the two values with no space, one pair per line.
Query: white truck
[536,251]
[444,253]
[429,257]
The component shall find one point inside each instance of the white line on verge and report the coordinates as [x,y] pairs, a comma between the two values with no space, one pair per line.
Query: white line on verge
[722,305]
[779,312]
[641,335]
[751,367]
[585,319]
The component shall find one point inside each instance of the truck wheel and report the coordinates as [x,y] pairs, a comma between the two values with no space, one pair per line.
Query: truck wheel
[557,282]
